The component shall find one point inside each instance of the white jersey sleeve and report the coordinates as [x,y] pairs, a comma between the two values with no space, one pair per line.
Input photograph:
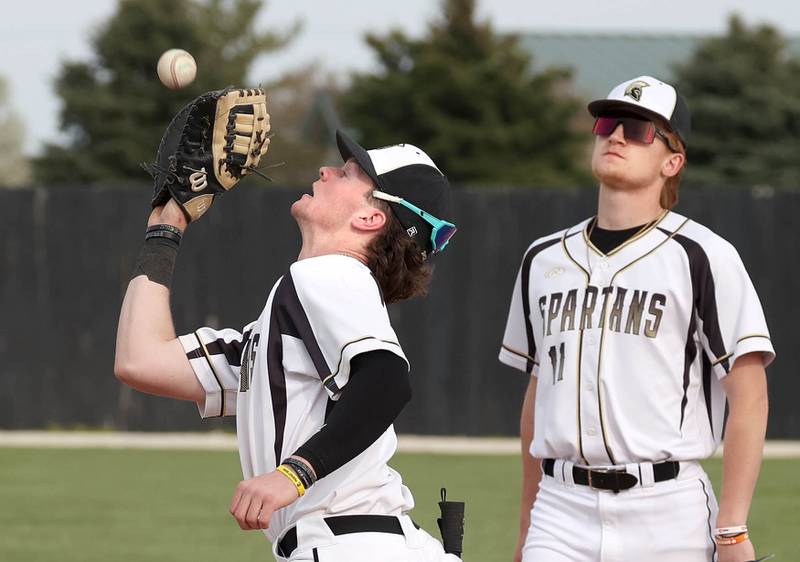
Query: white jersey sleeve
[731,319]
[346,315]
[216,357]
[519,348]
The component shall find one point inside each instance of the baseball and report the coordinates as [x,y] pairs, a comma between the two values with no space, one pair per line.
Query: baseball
[176,68]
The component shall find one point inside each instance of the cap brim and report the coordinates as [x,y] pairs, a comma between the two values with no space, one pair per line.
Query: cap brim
[601,106]
[349,148]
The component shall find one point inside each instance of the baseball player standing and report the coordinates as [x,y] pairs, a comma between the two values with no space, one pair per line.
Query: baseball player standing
[317,380]
[635,326]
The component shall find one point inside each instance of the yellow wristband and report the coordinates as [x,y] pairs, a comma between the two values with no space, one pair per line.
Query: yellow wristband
[291,475]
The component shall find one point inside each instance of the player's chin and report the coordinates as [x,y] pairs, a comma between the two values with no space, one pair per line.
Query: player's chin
[611,174]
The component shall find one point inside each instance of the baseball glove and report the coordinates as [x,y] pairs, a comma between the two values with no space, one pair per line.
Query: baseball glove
[208,147]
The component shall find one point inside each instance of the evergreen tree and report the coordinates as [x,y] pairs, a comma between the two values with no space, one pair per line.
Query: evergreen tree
[743,90]
[14,168]
[469,97]
[303,120]
[114,107]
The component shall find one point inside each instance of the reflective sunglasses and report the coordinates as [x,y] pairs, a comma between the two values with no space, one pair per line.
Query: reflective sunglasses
[633,128]
[442,230]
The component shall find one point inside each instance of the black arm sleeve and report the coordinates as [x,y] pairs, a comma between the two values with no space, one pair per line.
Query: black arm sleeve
[378,389]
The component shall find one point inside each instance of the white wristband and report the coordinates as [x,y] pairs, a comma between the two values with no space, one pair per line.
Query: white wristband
[729,531]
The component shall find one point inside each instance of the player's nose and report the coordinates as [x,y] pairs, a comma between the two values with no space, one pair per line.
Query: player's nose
[618,134]
[328,172]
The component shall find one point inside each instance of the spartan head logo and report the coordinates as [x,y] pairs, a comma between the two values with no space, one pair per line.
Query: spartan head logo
[634,89]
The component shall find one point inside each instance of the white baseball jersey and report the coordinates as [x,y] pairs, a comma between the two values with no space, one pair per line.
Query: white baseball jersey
[284,371]
[629,348]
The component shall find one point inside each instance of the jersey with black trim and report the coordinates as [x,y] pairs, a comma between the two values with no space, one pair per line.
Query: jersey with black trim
[629,348]
[282,373]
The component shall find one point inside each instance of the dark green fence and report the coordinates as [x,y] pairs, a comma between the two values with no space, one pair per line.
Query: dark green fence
[67,254]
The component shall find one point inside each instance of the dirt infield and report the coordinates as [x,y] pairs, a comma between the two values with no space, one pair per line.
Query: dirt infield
[226,441]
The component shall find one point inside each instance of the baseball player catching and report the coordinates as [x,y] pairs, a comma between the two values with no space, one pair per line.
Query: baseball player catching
[317,380]
[636,325]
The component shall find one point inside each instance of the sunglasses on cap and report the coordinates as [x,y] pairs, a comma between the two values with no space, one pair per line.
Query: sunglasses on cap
[442,230]
[633,128]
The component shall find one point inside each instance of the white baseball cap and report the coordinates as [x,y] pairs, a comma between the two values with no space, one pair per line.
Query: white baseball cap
[649,97]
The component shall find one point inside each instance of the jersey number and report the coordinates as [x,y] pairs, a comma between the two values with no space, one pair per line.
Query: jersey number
[557,360]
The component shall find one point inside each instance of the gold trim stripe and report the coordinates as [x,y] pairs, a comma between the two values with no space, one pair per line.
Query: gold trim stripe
[573,260]
[740,340]
[341,354]
[721,359]
[765,336]
[604,324]
[631,240]
[580,347]
[523,355]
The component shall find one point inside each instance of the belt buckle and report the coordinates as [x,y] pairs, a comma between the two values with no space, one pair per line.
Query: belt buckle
[618,473]
[589,472]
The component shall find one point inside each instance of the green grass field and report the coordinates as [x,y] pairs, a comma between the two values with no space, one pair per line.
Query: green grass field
[89,505]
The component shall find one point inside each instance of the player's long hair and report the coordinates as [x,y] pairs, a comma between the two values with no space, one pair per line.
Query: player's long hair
[396,261]
[669,193]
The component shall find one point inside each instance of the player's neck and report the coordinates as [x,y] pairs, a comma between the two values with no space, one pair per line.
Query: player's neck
[620,209]
[315,246]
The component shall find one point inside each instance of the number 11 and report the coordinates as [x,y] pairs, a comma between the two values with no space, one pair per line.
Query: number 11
[558,362]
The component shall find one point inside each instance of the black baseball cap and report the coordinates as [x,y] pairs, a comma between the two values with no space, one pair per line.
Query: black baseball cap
[405,171]
[651,98]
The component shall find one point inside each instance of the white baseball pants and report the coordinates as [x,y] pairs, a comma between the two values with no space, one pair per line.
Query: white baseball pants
[670,521]
[316,543]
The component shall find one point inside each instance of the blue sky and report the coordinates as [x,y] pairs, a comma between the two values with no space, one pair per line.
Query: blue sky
[36,36]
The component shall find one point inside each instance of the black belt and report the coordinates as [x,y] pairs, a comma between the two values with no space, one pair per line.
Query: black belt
[344,525]
[614,479]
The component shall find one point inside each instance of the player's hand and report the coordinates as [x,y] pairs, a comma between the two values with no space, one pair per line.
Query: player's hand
[256,499]
[169,213]
[742,552]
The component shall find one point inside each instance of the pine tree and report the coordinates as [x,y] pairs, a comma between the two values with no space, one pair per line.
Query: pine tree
[114,107]
[743,90]
[467,95]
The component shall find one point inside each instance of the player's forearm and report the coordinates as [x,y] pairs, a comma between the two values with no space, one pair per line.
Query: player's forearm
[531,467]
[744,441]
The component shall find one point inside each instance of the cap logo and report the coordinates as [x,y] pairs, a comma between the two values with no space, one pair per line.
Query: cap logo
[634,89]
[412,231]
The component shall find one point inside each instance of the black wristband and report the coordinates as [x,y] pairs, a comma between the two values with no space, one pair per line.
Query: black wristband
[303,471]
[157,260]
[164,234]
[164,231]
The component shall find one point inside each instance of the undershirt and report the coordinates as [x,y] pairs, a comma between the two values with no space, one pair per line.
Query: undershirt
[606,240]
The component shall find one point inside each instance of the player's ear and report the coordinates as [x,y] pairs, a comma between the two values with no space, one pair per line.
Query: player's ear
[369,219]
[673,164]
